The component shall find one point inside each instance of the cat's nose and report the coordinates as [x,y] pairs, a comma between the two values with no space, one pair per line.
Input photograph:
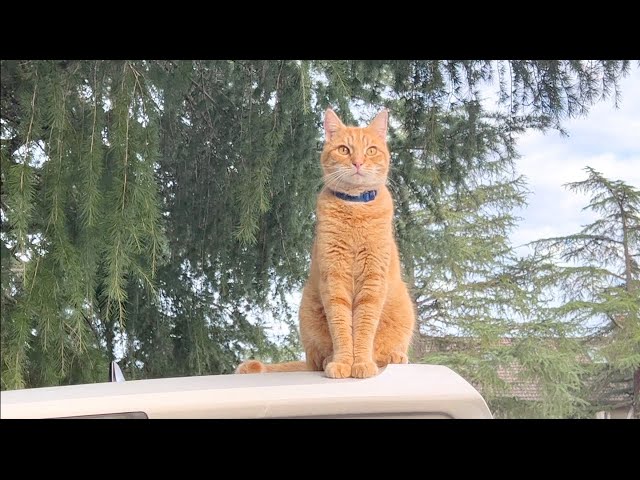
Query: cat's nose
[357,164]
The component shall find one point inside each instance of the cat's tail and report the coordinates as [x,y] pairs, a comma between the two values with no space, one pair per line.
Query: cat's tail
[255,366]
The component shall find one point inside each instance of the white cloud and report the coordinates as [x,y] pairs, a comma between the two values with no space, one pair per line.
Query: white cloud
[607,139]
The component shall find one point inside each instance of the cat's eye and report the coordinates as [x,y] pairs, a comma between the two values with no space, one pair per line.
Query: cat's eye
[372,151]
[344,150]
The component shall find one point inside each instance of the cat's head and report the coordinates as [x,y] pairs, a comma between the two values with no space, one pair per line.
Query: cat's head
[355,159]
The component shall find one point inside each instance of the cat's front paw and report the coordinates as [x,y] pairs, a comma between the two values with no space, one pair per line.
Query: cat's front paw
[364,369]
[251,366]
[326,362]
[337,370]
[398,357]
[393,357]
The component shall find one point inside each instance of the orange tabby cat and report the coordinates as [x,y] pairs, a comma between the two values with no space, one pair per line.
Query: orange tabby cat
[356,314]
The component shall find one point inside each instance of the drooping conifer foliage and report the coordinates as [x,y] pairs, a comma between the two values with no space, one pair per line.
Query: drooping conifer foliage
[161,212]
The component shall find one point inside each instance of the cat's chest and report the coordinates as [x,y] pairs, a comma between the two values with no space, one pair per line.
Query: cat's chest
[353,226]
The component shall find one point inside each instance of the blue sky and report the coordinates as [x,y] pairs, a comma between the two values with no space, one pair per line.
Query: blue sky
[607,139]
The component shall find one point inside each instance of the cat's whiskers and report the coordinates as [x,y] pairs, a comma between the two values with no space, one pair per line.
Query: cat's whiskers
[336,178]
[387,178]
[333,175]
[371,176]
[377,173]
[328,178]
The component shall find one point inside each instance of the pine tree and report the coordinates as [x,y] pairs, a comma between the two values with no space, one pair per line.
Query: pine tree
[81,214]
[481,307]
[597,271]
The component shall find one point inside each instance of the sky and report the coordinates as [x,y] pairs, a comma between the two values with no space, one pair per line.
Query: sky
[607,139]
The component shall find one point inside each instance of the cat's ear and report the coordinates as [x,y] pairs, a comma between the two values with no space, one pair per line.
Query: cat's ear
[331,124]
[379,124]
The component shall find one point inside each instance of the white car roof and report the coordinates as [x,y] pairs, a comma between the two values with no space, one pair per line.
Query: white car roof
[399,391]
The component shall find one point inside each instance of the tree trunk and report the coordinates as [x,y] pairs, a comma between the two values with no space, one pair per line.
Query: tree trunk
[635,405]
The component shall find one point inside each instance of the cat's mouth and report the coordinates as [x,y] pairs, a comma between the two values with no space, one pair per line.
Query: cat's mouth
[341,180]
[359,178]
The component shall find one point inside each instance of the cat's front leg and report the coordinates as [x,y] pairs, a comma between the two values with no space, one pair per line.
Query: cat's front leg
[339,320]
[337,294]
[372,267]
